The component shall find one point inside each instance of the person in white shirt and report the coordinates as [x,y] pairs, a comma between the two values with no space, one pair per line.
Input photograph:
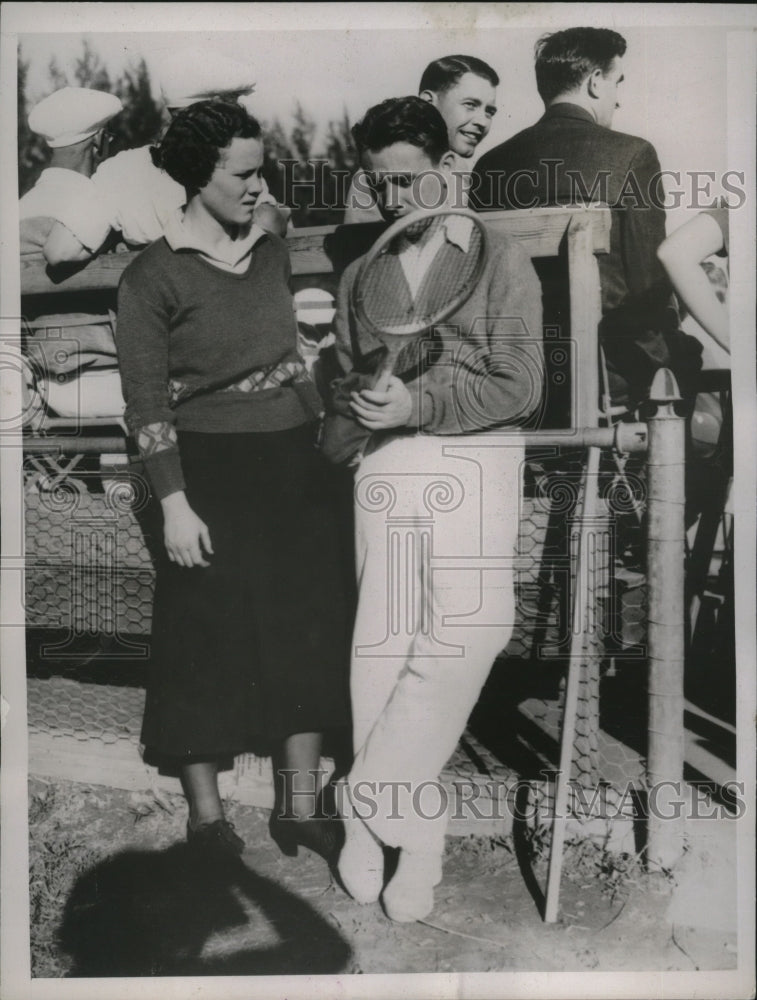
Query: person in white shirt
[72,121]
[429,621]
[463,89]
[137,196]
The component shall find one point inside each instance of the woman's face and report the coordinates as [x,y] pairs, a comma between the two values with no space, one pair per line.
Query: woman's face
[231,193]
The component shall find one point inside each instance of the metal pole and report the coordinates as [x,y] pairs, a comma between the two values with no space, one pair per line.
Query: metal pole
[665,635]
[74,445]
[625,438]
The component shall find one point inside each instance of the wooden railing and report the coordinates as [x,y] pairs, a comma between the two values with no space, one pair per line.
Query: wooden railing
[326,249]
[578,234]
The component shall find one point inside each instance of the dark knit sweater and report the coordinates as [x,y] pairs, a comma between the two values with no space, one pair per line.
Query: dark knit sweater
[189,333]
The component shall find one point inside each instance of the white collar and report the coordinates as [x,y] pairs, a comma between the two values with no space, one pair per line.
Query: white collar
[55,174]
[180,236]
[457,230]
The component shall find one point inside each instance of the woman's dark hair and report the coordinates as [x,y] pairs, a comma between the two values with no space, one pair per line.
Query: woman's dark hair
[564,59]
[444,73]
[191,148]
[403,119]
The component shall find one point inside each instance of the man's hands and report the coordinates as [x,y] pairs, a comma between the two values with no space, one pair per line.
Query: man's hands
[185,535]
[383,408]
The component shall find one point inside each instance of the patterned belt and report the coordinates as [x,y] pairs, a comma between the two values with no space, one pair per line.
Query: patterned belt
[272,377]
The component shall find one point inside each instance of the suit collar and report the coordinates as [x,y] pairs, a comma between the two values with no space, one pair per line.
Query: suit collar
[567,110]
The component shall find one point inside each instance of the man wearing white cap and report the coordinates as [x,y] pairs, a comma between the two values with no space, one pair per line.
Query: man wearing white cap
[63,208]
[72,122]
[139,197]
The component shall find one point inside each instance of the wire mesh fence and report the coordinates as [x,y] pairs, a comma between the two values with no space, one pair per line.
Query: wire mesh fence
[91,535]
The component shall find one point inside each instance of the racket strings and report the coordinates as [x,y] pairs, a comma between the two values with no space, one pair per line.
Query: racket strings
[416,279]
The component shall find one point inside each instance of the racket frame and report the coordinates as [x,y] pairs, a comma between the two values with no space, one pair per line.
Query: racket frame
[395,341]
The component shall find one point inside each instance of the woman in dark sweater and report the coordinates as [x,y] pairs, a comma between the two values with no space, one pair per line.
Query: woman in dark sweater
[249,624]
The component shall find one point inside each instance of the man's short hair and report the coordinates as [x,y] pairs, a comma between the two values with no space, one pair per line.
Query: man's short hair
[565,58]
[402,119]
[444,73]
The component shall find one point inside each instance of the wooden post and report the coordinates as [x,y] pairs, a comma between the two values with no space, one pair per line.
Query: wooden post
[665,635]
[585,314]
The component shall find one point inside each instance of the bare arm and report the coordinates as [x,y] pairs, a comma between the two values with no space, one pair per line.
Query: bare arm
[63,247]
[272,217]
[681,254]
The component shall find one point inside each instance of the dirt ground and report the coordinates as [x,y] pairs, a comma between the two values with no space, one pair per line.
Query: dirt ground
[114,892]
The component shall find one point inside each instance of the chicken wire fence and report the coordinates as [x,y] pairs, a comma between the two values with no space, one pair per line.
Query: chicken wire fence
[91,532]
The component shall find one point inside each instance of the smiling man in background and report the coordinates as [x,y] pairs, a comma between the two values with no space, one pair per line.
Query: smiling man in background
[463,89]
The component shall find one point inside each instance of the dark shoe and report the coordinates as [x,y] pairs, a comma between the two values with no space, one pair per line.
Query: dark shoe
[283,835]
[217,838]
[324,836]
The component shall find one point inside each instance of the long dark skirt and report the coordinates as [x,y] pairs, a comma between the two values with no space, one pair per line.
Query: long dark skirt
[255,645]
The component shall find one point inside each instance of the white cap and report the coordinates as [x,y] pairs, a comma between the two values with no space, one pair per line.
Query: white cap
[314,306]
[191,74]
[72,114]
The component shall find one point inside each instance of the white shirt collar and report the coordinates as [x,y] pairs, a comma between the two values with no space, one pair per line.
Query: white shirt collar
[457,230]
[180,236]
[62,175]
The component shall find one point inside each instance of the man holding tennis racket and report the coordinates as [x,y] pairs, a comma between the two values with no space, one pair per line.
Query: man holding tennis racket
[438,330]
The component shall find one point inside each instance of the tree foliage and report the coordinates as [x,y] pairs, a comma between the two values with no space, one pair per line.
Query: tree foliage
[312,182]
[140,122]
[90,70]
[33,153]
[142,119]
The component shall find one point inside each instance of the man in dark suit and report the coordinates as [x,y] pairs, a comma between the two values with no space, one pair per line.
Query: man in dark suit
[571,156]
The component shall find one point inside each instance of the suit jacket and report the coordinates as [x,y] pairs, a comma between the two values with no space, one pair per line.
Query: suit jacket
[566,158]
[481,368]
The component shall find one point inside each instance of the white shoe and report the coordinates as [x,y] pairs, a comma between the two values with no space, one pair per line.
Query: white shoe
[410,894]
[361,862]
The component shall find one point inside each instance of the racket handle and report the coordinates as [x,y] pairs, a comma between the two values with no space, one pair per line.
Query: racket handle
[383,375]
[382,381]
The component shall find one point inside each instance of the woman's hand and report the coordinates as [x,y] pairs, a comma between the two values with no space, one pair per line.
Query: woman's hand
[185,535]
[382,408]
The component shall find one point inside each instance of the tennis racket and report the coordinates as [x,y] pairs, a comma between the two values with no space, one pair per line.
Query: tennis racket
[417,274]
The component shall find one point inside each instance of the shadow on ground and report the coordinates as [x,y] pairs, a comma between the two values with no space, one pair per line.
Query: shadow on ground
[163,913]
